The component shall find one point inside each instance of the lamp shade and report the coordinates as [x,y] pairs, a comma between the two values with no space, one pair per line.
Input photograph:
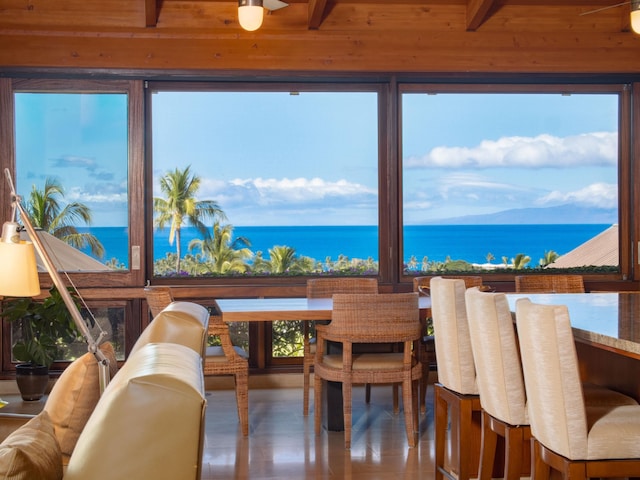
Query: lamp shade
[19,276]
[635,16]
[250,14]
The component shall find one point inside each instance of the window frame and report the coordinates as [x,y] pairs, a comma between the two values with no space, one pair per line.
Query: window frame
[625,189]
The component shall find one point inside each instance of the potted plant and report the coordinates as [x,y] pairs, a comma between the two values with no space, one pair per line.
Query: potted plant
[42,328]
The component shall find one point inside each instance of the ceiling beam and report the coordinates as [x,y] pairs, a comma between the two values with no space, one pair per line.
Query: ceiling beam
[151,11]
[478,11]
[316,13]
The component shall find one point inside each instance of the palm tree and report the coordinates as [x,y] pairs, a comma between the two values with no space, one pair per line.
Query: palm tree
[226,255]
[180,206]
[520,261]
[45,211]
[549,257]
[283,259]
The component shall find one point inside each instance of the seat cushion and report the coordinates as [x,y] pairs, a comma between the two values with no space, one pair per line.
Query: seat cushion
[613,432]
[216,354]
[75,395]
[31,452]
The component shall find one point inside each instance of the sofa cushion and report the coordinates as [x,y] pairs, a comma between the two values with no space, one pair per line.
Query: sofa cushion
[31,452]
[75,395]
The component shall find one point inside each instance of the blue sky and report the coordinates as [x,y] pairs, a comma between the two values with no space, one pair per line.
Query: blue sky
[311,158]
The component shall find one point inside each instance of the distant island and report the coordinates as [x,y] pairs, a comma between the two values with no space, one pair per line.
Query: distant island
[560,215]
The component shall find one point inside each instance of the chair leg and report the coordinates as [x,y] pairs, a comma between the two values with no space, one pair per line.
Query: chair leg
[306,375]
[539,469]
[513,442]
[407,403]
[317,396]
[242,400]
[396,403]
[367,393]
[346,406]
[423,390]
[464,445]
[488,446]
[441,418]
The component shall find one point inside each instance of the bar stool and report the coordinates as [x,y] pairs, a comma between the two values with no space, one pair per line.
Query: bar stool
[569,437]
[456,392]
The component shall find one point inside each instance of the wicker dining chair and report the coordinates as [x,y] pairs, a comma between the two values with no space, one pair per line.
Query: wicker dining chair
[225,359]
[428,350]
[371,318]
[549,284]
[325,288]
[158,298]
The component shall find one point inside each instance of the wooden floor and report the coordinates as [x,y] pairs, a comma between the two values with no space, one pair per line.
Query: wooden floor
[282,443]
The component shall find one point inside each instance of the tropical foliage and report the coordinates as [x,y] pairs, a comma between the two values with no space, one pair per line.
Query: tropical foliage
[46,211]
[43,328]
[180,206]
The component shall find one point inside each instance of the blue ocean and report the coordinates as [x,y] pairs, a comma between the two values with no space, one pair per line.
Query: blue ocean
[436,242]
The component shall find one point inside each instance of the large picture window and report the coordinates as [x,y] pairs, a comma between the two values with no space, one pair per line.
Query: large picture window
[262,183]
[72,149]
[508,181]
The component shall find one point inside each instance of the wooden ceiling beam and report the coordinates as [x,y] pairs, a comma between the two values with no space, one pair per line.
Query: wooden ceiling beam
[151,13]
[316,13]
[478,11]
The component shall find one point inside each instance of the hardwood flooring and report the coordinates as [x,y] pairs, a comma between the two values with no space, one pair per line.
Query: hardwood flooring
[282,443]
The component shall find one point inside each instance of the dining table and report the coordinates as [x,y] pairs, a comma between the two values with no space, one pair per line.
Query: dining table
[304,309]
[606,329]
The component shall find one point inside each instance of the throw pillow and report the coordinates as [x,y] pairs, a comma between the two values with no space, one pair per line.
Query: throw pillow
[75,395]
[31,452]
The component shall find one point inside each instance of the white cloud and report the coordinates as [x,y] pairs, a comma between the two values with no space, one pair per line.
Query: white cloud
[299,191]
[597,148]
[603,195]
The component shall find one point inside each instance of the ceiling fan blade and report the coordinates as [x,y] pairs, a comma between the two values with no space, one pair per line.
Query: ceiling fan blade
[605,8]
[274,4]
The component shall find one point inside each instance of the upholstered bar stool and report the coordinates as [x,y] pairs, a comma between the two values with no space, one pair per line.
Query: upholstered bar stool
[499,376]
[569,437]
[501,385]
[456,392]
[428,350]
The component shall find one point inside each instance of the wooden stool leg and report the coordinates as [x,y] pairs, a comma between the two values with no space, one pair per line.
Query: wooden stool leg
[513,441]
[464,444]
[487,448]
[441,420]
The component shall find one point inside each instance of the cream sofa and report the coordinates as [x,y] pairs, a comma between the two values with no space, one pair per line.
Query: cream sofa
[148,423]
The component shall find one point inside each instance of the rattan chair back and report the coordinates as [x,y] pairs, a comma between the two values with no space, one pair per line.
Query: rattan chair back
[549,284]
[158,298]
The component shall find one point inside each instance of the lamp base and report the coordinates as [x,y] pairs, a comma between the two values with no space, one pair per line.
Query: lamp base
[32,381]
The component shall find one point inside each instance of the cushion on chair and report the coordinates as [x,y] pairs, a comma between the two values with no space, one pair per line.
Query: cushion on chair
[216,354]
[31,452]
[613,432]
[368,361]
[75,395]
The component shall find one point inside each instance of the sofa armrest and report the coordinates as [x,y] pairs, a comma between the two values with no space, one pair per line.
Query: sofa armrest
[149,422]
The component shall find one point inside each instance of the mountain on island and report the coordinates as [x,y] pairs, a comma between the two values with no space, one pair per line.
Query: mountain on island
[563,214]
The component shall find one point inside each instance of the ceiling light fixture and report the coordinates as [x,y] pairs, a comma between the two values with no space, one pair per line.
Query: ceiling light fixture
[635,15]
[250,14]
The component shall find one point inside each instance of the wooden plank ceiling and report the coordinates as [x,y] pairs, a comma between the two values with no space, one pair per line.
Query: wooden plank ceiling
[477,11]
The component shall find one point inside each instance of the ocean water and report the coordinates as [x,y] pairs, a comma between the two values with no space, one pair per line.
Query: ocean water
[436,242]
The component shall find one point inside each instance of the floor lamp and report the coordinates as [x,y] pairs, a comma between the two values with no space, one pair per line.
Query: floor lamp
[17,258]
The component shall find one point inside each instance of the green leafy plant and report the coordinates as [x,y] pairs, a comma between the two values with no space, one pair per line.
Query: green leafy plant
[44,327]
